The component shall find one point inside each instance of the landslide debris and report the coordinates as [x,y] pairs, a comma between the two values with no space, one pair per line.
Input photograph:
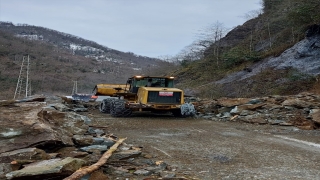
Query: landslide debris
[44,138]
[302,110]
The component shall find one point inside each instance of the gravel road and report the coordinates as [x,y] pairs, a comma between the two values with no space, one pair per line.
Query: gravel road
[203,149]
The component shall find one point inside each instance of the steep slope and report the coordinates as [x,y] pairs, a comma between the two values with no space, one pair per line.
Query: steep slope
[255,59]
[297,69]
[303,56]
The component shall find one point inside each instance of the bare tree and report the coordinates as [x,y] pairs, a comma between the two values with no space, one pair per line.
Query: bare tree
[210,39]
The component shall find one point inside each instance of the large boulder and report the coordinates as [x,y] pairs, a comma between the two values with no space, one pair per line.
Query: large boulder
[53,169]
[69,123]
[27,124]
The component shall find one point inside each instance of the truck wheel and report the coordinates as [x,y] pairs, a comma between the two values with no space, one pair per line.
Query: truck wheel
[176,113]
[105,105]
[117,108]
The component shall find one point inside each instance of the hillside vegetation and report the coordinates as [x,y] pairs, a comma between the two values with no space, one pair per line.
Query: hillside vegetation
[282,24]
[58,59]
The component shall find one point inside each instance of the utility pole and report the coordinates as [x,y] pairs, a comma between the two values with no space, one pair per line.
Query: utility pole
[24,83]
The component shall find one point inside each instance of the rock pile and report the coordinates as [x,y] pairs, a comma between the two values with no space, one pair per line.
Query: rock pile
[42,140]
[302,110]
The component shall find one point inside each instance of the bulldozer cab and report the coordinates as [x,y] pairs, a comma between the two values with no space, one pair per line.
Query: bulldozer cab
[146,81]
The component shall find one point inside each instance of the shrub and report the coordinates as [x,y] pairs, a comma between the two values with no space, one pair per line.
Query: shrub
[305,13]
[238,56]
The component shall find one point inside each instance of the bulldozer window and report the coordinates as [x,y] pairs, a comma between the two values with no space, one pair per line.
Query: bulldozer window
[169,83]
[155,82]
[139,83]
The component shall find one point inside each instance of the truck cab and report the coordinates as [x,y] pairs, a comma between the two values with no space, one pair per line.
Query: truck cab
[136,82]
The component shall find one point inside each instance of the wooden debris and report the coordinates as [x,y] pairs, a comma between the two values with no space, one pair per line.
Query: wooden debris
[87,170]
[234,117]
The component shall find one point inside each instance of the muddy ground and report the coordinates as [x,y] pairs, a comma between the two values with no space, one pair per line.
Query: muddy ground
[204,149]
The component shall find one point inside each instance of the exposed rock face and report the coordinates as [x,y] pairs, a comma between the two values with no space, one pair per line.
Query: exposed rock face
[303,56]
[27,124]
[21,125]
[67,122]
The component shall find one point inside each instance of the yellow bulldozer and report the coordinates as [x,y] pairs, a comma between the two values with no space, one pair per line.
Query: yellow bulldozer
[143,93]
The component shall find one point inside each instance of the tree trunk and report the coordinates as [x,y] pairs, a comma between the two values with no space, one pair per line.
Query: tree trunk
[87,170]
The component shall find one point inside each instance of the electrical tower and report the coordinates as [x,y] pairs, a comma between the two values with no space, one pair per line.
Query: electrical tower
[23,88]
[75,88]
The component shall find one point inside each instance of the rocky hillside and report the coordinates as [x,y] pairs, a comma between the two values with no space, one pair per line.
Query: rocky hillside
[57,59]
[297,69]
[275,53]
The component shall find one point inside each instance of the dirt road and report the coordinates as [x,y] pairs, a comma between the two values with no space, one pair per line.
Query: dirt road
[208,150]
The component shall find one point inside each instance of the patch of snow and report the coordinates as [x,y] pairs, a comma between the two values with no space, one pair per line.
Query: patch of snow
[85,48]
[75,46]
[30,37]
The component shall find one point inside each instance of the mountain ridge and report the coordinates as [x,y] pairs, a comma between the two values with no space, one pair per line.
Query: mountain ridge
[61,58]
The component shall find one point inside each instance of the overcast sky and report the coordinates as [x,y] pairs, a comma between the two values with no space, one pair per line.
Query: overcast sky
[151,28]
